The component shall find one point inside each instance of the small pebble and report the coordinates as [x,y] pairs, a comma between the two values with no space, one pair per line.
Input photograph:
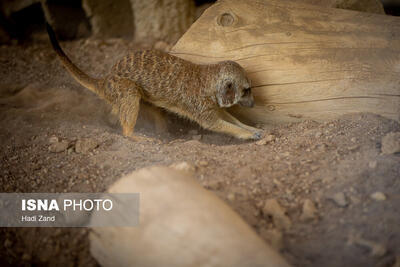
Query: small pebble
[58,147]
[378,196]
[278,214]
[196,137]
[213,185]
[183,166]
[352,148]
[261,142]
[53,139]
[7,243]
[268,139]
[85,145]
[372,164]
[376,249]
[340,199]
[203,163]
[309,211]
[26,257]
[391,143]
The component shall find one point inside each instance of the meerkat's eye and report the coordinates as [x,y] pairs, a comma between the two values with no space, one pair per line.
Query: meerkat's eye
[246,91]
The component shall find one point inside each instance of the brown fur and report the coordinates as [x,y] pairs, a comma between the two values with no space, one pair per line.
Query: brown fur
[198,92]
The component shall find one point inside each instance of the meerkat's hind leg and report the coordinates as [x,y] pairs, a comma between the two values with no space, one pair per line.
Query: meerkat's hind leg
[128,112]
[127,104]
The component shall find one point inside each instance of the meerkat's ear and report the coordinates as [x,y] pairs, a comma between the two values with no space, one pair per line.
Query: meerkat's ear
[226,94]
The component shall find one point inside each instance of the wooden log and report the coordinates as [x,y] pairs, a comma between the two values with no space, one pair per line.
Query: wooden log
[371,6]
[305,61]
[181,224]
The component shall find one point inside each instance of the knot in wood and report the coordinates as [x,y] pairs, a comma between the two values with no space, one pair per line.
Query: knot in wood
[226,19]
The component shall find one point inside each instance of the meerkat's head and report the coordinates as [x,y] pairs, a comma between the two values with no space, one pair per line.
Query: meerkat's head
[233,86]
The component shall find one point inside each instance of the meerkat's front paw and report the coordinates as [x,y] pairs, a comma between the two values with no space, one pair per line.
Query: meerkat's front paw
[257,135]
[251,135]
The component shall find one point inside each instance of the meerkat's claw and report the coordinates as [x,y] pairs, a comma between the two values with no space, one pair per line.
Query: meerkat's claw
[257,135]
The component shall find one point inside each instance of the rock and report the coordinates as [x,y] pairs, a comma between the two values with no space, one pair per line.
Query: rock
[85,145]
[378,196]
[196,137]
[7,243]
[274,237]
[278,214]
[352,148]
[26,257]
[231,197]
[267,139]
[58,147]
[169,19]
[69,23]
[203,163]
[270,138]
[239,192]
[372,164]
[314,168]
[339,199]
[193,132]
[10,7]
[196,219]
[309,211]
[53,139]
[183,166]
[261,142]
[376,249]
[391,143]
[110,18]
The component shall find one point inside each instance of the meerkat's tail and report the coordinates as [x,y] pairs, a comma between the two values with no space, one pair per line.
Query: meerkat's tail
[81,77]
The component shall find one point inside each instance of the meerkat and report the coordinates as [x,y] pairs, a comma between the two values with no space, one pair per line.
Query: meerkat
[198,92]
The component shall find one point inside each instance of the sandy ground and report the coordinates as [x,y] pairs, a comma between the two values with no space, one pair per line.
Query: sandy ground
[339,196]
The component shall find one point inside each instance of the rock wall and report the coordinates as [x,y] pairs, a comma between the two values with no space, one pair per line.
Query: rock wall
[157,20]
[110,18]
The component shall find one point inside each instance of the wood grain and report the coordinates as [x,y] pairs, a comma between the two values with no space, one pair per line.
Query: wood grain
[305,61]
